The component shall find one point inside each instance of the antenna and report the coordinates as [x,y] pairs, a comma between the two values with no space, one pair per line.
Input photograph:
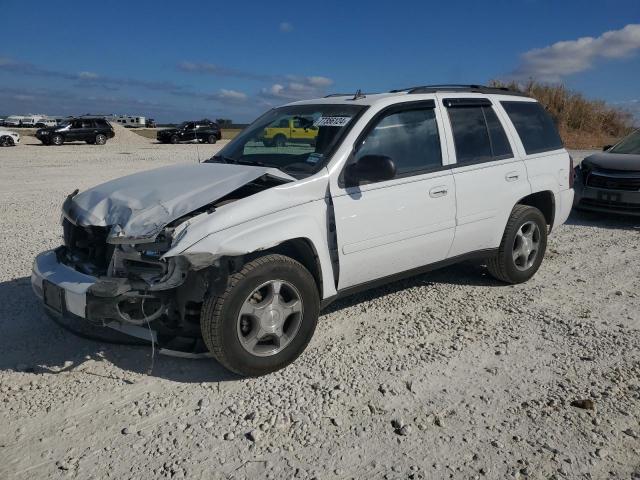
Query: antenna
[358,95]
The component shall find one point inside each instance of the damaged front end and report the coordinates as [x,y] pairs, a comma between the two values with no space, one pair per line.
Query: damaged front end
[112,270]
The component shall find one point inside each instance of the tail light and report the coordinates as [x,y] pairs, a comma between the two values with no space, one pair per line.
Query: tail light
[572,172]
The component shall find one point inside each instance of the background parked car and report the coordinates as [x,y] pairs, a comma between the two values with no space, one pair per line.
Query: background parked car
[93,130]
[291,130]
[610,181]
[8,138]
[44,123]
[201,131]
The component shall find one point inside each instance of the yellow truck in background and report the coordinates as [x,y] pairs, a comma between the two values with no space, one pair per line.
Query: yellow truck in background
[290,130]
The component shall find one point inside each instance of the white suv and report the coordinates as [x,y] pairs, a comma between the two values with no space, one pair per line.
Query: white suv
[242,251]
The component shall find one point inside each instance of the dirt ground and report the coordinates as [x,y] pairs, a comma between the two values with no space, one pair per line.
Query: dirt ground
[445,375]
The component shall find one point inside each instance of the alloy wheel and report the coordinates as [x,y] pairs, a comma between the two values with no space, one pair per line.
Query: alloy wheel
[270,318]
[526,246]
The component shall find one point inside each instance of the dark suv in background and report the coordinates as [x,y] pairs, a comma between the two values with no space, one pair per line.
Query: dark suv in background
[202,131]
[93,130]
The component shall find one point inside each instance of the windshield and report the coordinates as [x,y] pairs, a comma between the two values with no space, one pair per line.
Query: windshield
[296,139]
[630,144]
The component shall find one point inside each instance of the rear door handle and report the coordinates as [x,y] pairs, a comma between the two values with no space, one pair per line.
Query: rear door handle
[512,176]
[440,191]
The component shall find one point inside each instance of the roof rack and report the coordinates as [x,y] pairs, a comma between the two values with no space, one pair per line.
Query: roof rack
[459,88]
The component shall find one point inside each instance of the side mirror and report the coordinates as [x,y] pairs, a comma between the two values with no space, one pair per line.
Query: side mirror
[370,168]
[606,147]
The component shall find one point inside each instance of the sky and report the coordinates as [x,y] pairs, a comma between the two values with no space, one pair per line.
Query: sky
[175,61]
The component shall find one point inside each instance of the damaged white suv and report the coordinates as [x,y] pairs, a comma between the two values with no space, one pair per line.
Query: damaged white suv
[238,254]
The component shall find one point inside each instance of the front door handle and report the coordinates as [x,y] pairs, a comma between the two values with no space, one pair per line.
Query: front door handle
[440,191]
[512,176]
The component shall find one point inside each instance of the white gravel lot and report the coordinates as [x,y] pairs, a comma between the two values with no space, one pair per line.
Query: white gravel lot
[446,375]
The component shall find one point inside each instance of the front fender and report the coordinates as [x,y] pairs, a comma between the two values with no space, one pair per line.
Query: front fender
[307,221]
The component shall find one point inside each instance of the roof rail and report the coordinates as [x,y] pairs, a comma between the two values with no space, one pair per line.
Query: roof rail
[459,88]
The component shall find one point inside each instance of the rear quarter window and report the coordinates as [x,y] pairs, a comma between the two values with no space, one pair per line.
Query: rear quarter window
[534,126]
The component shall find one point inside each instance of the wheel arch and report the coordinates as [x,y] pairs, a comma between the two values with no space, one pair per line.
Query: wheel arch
[545,202]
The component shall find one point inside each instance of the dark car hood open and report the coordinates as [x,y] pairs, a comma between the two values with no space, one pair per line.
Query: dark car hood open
[613,161]
[139,206]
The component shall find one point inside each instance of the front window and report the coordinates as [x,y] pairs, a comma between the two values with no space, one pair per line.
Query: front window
[296,139]
[630,144]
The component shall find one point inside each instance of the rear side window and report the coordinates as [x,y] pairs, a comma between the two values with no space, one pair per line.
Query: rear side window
[534,126]
[478,134]
[409,137]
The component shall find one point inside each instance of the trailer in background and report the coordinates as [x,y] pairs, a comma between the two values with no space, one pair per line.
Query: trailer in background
[128,121]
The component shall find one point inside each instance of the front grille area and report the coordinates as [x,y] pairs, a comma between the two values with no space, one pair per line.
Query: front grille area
[87,248]
[618,181]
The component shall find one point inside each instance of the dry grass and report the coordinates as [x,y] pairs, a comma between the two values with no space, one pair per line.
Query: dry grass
[582,123]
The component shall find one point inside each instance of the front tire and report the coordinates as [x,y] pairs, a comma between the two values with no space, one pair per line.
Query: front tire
[101,139]
[280,141]
[265,317]
[174,139]
[57,140]
[6,141]
[522,248]
[212,139]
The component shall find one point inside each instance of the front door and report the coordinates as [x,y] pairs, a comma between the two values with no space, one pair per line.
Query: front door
[74,133]
[400,224]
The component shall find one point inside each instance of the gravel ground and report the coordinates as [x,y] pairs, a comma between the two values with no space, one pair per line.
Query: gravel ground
[446,375]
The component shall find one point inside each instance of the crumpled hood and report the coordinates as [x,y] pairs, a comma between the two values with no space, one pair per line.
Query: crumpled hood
[613,161]
[139,206]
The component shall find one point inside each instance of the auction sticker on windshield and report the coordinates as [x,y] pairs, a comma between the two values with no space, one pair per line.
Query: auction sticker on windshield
[331,121]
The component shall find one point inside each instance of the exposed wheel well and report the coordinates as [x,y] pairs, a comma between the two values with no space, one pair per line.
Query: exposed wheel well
[543,201]
[302,250]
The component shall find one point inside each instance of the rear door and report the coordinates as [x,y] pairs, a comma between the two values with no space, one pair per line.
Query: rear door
[396,225]
[547,162]
[88,131]
[489,178]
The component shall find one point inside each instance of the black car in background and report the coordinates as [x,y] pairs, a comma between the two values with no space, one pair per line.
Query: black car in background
[93,130]
[201,131]
[610,181]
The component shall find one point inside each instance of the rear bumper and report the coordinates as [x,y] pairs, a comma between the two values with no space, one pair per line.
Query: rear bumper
[564,203]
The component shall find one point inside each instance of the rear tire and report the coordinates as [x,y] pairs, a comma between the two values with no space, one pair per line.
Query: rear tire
[212,139]
[522,248]
[174,139]
[6,141]
[226,331]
